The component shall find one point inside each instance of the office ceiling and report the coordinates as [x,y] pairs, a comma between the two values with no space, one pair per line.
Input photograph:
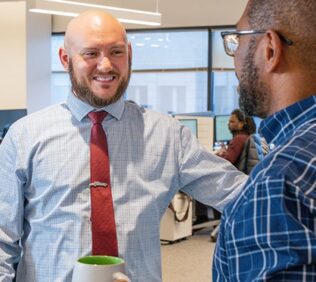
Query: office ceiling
[177,13]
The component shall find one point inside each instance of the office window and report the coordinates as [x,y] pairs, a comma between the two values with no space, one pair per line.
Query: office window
[56,43]
[169,49]
[225,96]
[224,81]
[60,83]
[219,58]
[170,92]
[60,87]
[169,70]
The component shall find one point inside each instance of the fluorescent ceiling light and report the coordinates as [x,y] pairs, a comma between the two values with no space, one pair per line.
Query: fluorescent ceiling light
[52,12]
[91,5]
[74,8]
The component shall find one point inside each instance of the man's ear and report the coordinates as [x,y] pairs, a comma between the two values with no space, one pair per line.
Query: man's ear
[130,52]
[273,51]
[64,58]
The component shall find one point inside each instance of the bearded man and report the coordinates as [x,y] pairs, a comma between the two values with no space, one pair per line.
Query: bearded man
[269,233]
[48,216]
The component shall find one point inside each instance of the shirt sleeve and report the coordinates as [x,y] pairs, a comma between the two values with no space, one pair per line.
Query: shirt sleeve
[11,208]
[206,177]
[269,233]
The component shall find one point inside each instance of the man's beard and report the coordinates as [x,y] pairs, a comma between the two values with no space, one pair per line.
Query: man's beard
[234,131]
[84,93]
[254,97]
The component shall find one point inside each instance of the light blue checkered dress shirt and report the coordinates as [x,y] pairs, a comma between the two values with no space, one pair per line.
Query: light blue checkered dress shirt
[44,179]
[269,232]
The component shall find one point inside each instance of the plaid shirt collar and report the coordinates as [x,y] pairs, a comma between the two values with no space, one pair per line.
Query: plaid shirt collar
[281,125]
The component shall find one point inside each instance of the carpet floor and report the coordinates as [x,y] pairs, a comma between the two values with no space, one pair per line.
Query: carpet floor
[189,260]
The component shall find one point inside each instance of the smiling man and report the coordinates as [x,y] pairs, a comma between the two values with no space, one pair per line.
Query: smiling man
[269,232]
[103,62]
[46,196]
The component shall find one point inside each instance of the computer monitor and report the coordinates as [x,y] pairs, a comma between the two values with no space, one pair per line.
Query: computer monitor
[222,133]
[7,117]
[191,124]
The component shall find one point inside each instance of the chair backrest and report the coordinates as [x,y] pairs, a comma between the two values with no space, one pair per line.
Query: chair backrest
[254,151]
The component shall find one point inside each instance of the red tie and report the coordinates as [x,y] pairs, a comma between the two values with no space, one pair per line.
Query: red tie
[104,241]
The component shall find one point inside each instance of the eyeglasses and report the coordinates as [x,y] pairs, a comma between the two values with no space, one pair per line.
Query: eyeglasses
[231,39]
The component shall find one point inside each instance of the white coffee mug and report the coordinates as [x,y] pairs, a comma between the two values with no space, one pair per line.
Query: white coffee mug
[97,268]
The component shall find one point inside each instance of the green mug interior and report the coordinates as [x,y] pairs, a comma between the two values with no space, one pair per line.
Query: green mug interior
[100,260]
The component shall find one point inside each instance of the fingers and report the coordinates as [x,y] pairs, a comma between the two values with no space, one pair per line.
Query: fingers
[120,277]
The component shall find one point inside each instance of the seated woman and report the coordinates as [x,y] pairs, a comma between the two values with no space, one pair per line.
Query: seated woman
[241,127]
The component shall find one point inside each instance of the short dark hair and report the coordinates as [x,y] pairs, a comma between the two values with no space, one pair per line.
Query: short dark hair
[295,19]
[249,124]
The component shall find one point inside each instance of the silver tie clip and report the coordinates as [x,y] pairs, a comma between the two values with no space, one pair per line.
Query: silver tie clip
[98,184]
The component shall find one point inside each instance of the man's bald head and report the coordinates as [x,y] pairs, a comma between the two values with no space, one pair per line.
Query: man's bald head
[98,58]
[92,21]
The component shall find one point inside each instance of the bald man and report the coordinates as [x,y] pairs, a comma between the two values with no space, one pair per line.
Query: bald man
[269,233]
[101,74]
[45,166]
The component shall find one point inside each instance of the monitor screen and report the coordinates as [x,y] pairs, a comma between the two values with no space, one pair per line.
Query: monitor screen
[191,124]
[222,132]
[7,117]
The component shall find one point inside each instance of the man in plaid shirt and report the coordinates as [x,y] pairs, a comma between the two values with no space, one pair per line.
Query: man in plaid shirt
[269,232]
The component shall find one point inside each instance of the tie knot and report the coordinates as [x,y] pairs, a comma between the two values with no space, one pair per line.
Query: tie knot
[97,117]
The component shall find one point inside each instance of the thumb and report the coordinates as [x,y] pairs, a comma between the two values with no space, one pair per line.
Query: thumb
[120,277]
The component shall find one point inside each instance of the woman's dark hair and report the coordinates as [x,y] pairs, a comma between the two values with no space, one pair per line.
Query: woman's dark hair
[249,124]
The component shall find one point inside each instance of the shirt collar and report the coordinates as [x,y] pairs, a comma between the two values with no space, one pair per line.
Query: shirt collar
[282,125]
[80,109]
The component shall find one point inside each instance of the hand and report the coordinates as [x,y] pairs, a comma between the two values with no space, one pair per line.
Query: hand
[120,277]
[223,146]
[222,151]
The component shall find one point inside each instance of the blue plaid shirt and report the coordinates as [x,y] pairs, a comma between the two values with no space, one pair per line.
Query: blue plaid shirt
[269,232]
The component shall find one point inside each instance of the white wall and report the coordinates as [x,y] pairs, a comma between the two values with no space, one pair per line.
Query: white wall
[24,57]
[38,61]
[13,55]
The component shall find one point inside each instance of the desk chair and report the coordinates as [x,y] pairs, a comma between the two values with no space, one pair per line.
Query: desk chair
[211,221]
